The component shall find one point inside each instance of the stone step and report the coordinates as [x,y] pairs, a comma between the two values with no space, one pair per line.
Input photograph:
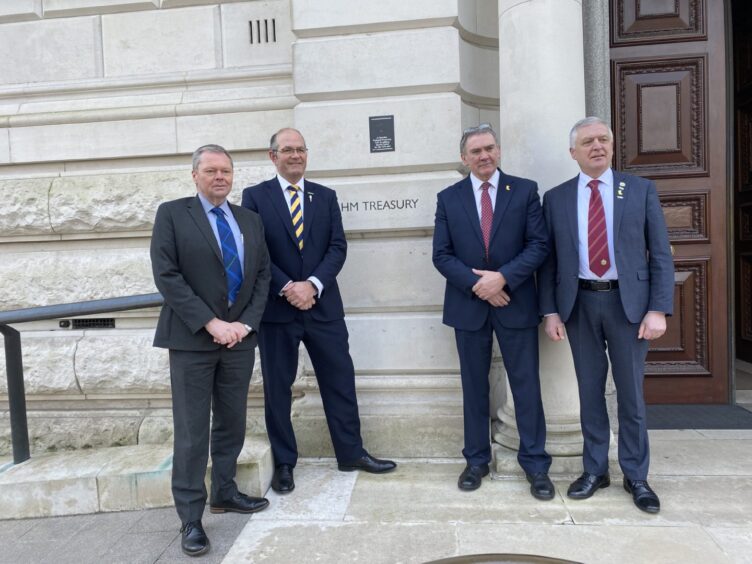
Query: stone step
[112,479]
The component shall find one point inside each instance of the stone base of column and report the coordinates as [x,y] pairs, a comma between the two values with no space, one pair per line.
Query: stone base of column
[505,462]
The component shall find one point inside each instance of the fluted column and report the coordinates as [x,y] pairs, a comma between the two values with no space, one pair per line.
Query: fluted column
[542,93]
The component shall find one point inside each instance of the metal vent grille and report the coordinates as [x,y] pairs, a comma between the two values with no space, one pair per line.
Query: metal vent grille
[101,323]
[263,31]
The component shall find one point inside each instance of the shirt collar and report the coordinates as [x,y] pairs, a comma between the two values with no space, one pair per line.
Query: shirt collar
[493,181]
[607,178]
[208,206]
[284,183]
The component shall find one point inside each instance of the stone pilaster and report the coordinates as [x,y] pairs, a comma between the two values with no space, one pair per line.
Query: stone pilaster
[542,95]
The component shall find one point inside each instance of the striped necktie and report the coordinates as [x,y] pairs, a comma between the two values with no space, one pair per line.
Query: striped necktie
[597,233]
[296,212]
[234,273]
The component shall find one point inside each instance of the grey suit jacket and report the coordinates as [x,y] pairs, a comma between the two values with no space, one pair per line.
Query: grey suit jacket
[188,271]
[643,254]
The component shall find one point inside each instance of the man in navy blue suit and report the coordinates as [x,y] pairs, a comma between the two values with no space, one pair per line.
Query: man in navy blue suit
[489,240]
[307,248]
[609,280]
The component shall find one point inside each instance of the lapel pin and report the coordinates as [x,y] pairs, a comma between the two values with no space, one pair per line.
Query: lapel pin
[507,187]
[310,196]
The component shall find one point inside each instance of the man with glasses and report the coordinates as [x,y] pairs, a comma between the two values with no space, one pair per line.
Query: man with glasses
[489,239]
[307,247]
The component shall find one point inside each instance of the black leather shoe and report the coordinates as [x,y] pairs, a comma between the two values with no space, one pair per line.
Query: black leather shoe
[541,486]
[471,477]
[239,503]
[194,541]
[643,495]
[282,481]
[368,463]
[587,484]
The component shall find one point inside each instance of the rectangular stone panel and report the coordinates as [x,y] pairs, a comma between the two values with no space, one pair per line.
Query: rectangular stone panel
[427,129]
[20,10]
[97,140]
[401,342]
[48,362]
[235,131]
[394,274]
[374,63]
[479,72]
[256,33]
[390,202]
[67,8]
[53,50]
[323,17]
[160,41]
[4,146]
[57,277]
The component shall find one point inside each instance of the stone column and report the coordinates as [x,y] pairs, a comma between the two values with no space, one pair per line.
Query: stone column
[542,94]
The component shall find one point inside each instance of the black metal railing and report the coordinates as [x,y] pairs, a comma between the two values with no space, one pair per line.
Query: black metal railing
[19,428]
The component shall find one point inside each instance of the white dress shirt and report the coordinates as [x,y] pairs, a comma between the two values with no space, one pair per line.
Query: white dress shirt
[478,192]
[606,189]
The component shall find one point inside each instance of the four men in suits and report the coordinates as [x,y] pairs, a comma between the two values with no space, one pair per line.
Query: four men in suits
[607,283]
[307,247]
[489,240]
[605,278]
[211,265]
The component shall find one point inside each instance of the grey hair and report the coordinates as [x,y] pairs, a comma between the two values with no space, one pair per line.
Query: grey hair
[209,149]
[592,120]
[477,130]
[274,146]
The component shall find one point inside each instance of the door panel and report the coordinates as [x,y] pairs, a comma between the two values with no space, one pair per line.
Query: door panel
[668,76]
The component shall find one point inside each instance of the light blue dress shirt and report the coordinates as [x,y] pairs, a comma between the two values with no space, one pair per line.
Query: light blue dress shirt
[208,206]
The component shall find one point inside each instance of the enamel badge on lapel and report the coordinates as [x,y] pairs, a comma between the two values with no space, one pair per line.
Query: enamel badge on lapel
[620,190]
[310,196]
[507,188]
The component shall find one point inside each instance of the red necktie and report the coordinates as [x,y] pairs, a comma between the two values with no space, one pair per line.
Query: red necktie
[597,234]
[486,214]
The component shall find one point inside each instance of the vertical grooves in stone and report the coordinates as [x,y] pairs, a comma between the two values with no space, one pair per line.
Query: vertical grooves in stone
[49,211]
[75,376]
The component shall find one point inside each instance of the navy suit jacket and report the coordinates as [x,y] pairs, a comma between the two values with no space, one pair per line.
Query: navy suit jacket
[324,247]
[517,248]
[189,272]
[641,247]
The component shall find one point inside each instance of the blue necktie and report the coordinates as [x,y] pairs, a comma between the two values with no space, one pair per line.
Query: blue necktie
[229,255]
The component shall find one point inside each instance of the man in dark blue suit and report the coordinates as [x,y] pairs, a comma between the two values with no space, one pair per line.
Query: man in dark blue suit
[489,240]
[307,248]
[610,281]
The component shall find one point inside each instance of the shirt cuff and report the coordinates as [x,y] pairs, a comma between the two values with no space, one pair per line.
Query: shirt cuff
[317,283]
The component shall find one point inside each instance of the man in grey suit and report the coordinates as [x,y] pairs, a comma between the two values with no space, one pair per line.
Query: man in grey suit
[211,265]
[609,280]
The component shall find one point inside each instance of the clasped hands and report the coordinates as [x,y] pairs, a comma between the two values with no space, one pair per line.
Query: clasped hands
[490,287]
[301,295]
[225,333]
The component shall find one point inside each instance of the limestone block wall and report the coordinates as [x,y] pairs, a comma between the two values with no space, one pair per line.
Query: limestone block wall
[99,113]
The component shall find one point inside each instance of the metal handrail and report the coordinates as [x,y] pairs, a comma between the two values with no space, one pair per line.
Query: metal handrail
[19,429]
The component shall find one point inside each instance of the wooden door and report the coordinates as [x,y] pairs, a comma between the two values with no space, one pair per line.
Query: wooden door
[668,78]
[741,16]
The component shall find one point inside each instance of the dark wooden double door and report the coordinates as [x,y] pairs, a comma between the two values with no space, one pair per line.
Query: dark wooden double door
[672,86]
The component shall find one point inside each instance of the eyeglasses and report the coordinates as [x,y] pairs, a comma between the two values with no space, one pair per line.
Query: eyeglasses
[292,150]
[477,129]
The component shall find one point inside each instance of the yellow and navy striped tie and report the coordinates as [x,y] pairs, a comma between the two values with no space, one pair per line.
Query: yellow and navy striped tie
[296,211]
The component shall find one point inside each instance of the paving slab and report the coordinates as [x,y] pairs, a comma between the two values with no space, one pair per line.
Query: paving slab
[424,492]
[593,544]
[736,542]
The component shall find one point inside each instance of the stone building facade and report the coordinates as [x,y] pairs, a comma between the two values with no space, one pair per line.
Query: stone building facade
[103,101]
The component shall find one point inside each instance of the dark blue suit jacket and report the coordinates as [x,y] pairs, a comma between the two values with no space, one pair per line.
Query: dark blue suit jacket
[324,247]
[517,248]
[643,254]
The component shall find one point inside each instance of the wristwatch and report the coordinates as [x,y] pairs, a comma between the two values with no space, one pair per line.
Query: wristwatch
[248,328]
